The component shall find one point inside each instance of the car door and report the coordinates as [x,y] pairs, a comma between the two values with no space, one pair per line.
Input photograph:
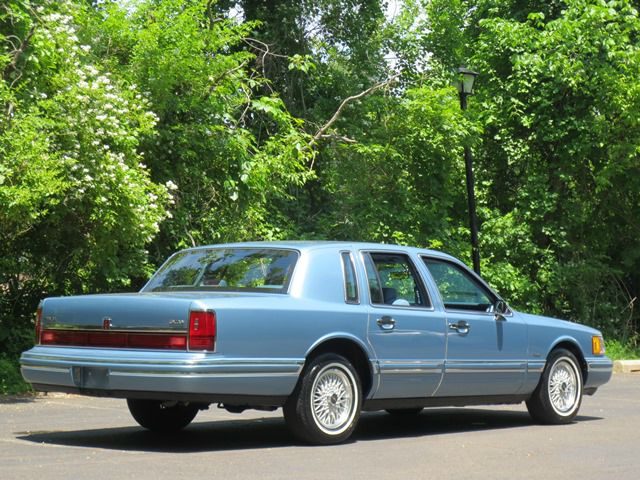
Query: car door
[405,332]
[486,353]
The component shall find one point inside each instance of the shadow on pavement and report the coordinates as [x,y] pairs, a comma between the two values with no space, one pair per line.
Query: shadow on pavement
[444,421]
[272,432]
[10,399]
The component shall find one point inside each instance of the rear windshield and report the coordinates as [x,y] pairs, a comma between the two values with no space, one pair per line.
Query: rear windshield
[226,269]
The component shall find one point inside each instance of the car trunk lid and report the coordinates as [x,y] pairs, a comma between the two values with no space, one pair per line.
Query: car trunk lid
[157,321]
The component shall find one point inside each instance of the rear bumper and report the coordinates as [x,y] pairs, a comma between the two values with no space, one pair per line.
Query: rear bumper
[143,373]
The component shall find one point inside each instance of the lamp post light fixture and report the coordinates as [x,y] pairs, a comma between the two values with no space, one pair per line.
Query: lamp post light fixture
[466,78]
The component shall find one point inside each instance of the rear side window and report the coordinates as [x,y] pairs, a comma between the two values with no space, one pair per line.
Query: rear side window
[350,281]
[394,281]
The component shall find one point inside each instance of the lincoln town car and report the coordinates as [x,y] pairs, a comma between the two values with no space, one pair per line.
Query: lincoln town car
[323,330]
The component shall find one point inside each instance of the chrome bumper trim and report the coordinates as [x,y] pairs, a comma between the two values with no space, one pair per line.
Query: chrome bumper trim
[159,371]
[599,364]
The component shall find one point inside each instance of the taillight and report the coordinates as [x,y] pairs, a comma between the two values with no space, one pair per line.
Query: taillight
[114,339]
[38,324]
[202,330]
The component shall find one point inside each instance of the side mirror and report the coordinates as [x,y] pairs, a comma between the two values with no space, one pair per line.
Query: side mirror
[500,309]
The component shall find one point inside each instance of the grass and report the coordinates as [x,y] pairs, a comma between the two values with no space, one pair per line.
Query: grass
[617,350]
[11,382]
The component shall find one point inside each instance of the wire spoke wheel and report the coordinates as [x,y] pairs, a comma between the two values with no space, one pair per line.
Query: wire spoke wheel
[563,386]
[333,398]
[325,406]
[557,398]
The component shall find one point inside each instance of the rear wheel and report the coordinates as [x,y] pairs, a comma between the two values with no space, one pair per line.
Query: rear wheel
[557,398]
[325,405]
[159,416]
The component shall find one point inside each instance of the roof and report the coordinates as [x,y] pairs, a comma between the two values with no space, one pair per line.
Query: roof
[309,245]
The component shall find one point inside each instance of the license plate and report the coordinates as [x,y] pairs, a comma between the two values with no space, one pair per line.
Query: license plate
[91,377]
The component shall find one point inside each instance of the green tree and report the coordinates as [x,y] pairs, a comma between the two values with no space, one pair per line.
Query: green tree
[559,161]
[229,150]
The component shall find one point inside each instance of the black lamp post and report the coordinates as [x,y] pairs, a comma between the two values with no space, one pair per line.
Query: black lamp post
[465,88]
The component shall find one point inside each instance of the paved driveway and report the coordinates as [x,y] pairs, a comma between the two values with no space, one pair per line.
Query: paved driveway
[70,437]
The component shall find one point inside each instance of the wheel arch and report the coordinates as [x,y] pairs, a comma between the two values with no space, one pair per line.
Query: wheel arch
[573,346]
[352,350]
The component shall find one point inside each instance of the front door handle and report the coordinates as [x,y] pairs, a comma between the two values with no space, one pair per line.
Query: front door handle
[460,327]
[386,322]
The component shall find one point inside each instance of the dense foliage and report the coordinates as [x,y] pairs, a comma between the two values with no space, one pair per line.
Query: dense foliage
[131,129]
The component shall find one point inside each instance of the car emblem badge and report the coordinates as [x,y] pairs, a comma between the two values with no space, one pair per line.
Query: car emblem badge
[106,323]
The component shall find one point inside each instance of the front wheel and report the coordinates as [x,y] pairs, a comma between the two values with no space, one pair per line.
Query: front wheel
[159,416]
[325,406]
[556,399]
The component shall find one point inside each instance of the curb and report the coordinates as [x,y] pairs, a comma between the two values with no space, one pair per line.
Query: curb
[626,366]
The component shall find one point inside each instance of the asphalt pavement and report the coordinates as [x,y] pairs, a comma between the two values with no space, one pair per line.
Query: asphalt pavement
[73,437]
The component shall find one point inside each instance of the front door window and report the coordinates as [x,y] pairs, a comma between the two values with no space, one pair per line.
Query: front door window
[459,290]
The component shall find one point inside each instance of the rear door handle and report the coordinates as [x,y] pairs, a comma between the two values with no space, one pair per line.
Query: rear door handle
[386,322]
[460,327]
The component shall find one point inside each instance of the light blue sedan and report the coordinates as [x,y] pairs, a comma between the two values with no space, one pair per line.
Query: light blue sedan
[322,329]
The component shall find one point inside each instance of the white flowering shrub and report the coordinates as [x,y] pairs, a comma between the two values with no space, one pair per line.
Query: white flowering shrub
[78,207]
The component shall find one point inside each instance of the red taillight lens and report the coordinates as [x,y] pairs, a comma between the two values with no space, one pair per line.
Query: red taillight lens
[114,339]
[38,324]
[202,330]
[170,342]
